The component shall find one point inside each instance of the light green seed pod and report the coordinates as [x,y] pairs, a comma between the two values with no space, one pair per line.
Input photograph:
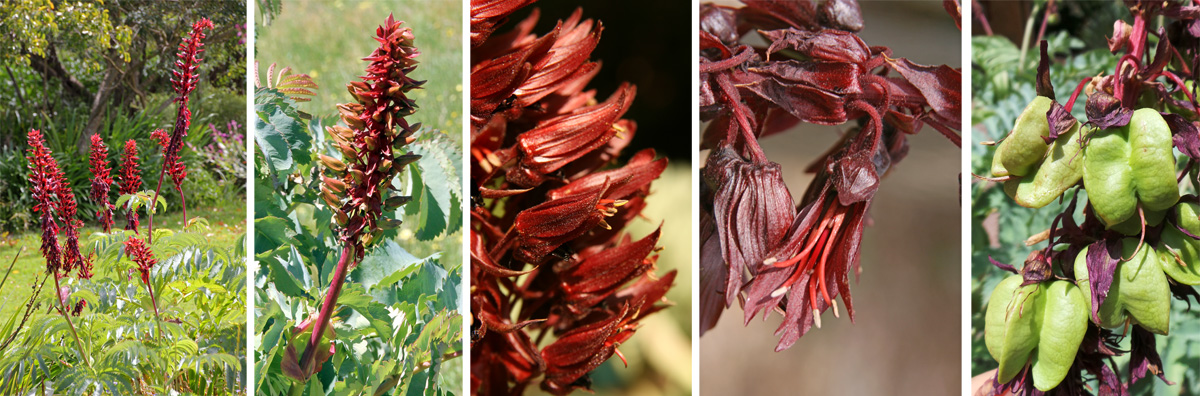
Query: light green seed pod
[1139,290]
[1063,326]
[1179,253]
[1107,176]
[1152,161]
[1023,149]
[1061,168]
[1011,325]
[1111,312]
[1144,291]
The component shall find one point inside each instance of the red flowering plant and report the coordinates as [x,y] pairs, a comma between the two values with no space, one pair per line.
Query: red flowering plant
[759,246]
[1099,204]
[184,82]
[107,282]
[369,177]
[549,252]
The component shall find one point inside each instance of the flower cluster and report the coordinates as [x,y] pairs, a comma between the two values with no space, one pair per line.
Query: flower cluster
[137,251]
[358,187]
[131,180]
[55,202]
[101,181]
[799,257]
[184,82]
[376,131]
[548,249]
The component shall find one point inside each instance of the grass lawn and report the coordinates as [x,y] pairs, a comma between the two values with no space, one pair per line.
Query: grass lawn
[225,225]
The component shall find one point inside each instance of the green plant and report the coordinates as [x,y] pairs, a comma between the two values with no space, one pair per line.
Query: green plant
[343,308]
[1105,207]
[96,339]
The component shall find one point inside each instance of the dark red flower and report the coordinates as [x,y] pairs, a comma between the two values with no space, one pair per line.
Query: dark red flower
[137,251]
[101,181]
[773,255]
[131,180]
[549,252]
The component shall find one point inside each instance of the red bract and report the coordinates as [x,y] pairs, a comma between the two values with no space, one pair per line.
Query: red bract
[101,181]
[360,189]
[184,81]
[547,213]
[799,258]
[131,180]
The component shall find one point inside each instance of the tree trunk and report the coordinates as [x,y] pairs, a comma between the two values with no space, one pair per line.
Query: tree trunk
[50,67]
[99,107]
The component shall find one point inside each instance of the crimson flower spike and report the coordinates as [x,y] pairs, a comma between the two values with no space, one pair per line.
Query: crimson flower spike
[184,82]
[137,251]
[357,187]
[131,181]
[101,181]
[547,213]
[44,186]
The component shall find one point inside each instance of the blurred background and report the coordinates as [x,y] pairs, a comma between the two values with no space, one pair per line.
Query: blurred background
[650,48]
[906,339]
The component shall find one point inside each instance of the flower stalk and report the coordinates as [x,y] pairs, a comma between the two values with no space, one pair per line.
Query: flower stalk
[184,82]
[358,187]
[56,205]
[137,250]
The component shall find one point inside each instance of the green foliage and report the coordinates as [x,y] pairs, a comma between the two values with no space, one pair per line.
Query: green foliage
[200,290]
[36,23]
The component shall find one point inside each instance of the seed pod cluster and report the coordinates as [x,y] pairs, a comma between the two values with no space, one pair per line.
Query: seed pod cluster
[358,186]
[1040,324]
[1039,172]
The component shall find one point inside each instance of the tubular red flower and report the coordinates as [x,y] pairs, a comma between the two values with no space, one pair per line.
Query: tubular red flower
[131,180]
[547,212]
[101,181]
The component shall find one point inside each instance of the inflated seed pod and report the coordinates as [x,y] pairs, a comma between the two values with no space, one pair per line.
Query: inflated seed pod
[1152,160]
[1023,149]
[1063,326]
[1011,325]
[1133,225]
[1139,290]
[1107,176]
[1111,312]
[1059,169]
[1179,254]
